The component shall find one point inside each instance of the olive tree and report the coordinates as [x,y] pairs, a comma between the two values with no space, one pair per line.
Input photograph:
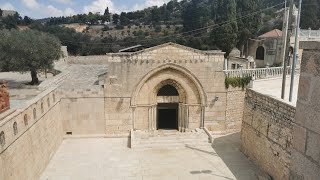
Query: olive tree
[28,51]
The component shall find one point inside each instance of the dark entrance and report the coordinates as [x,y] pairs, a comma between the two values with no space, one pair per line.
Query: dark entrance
[167,116]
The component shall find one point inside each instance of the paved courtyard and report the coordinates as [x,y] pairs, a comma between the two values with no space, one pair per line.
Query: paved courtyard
[272,87]
[101,158]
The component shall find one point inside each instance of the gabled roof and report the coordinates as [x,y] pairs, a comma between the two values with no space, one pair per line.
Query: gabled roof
[272,34]
[171,44]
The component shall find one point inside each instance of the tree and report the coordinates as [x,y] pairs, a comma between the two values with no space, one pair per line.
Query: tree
[249,26]
[27,20]
[310,14]
[106,12]
[1,12]
[123,19]
[115,18]
[225,36]
[28,51]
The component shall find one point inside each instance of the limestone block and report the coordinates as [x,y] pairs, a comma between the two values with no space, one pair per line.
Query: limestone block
[303,167]
[313,146]
[304,88]
[310,62]
[299,138]
[315,94]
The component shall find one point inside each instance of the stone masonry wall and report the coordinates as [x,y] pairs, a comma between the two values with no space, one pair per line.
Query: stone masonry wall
[4,97]
[306,133]
[83,111]
[29,137]
[234,108]
[266,135]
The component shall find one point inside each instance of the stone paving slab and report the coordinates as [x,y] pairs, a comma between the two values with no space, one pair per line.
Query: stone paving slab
[104,158]
[272,87]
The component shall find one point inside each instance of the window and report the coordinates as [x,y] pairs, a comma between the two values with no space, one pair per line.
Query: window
[168,90]
[42,109]
[25,120]
[2,139]
[233,66]
[34,113]
[48,101]
[260,53]
[15,128]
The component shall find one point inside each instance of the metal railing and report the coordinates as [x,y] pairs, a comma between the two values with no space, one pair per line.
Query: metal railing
[260,73]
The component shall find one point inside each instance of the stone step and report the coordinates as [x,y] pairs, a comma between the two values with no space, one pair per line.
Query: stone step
[170,139]
[173,145]
[169,143]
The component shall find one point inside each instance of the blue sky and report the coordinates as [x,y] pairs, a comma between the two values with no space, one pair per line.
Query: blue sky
[50,8]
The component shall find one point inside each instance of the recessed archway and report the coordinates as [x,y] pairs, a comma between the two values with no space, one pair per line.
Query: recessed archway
[187,99]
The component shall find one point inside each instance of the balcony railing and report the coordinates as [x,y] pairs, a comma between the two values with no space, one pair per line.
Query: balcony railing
[261,73]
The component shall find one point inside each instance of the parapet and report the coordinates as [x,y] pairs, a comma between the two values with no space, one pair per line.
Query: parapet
[4,97]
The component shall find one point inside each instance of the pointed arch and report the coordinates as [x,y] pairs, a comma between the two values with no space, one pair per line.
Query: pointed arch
[194,82]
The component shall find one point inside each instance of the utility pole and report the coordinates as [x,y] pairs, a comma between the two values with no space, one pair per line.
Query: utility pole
[287,57]
[295,54]
[285,31]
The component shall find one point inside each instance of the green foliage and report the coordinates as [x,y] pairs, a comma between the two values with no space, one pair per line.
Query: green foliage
[157,28]
[225,36]
[196,14]
[310,14]
[115,18]
[105,28]
[28,51]
[237,81]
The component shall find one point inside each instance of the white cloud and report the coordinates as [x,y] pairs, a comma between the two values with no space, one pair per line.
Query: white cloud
[7,6]
[63,1]
[31,4]
[69,12]
[100,6]
[149,3]
[54,12]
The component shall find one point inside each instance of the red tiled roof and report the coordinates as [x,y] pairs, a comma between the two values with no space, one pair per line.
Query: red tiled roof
[272,34]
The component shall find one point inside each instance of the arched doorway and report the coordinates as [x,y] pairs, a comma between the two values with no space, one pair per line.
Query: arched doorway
[167,113]
[168,87]
[260,53]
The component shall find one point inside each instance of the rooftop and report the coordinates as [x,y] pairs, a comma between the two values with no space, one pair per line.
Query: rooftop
[272,34]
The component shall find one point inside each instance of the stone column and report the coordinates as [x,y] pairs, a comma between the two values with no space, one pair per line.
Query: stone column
[186,117]
[202,117]
[182,117]
[305,155]
[154,116]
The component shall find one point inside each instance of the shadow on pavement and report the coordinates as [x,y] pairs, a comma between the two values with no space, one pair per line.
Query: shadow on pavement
[228,149]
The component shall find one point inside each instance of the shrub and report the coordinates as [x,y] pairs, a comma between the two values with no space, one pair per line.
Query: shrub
[237,81]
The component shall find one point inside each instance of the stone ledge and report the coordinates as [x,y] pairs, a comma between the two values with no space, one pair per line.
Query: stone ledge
[309,45]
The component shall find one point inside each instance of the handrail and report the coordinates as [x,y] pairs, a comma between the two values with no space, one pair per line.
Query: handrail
[260,73]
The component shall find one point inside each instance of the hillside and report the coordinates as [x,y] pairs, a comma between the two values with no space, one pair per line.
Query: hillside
[202,24]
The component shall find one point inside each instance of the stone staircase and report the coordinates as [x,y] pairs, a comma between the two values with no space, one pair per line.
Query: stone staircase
[169,139]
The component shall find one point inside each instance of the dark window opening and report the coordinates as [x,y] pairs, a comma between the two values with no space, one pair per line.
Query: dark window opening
[168,90]
[260,53]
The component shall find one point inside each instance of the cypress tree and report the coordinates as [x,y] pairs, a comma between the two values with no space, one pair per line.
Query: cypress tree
[225,35]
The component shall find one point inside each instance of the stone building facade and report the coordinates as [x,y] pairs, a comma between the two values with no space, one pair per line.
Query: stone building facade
[191,82]
[305,154]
